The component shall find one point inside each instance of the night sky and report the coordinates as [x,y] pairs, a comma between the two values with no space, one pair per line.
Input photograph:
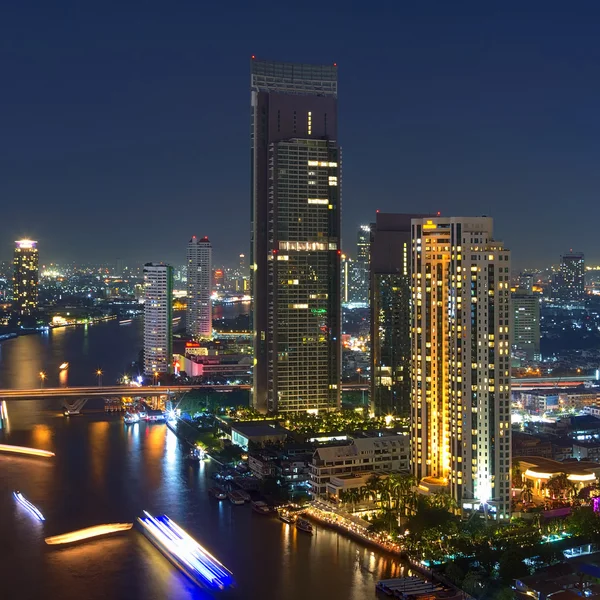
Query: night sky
[125,130]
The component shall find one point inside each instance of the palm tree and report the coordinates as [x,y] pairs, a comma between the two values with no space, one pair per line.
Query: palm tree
[561,486]
[517,476]
[373,487]
[527,492]
[443,500]
[404,484]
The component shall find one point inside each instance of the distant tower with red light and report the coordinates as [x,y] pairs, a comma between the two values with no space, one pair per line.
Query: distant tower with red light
[199,288]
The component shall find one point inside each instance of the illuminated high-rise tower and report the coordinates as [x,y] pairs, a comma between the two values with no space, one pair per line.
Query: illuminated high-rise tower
[362,264]
[25,278]
[572,277]
[199,288]
[461,362]
[158,318]
[296,202]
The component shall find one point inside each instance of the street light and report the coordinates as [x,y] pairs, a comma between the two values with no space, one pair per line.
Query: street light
[155,377]
[42,377]
[99,375]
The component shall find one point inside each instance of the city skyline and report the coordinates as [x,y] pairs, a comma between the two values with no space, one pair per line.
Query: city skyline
[458,127]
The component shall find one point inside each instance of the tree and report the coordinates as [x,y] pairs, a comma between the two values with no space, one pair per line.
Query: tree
[511,565]
[474,584]
[504,593]
[454,573]
[527,491]
[583,521]
[516,475]
[560,486]
[443,500]
[372,487]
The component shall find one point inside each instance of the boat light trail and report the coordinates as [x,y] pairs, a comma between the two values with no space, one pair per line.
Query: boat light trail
[28,506]
[24,450]
[192,558]
[87,533]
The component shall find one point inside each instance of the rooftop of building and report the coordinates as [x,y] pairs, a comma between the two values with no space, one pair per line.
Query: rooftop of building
[586,443]
[259,428]
[584,422]
[360,445]
[538,464]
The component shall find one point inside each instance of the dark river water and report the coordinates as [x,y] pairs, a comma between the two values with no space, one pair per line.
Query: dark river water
[105,471]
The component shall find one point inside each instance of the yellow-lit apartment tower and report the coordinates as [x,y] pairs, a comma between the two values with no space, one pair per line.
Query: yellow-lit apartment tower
[460,415]
[25,278]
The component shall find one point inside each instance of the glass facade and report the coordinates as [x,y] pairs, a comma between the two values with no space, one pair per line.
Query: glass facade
[390,345]
[304,276]
[295,264]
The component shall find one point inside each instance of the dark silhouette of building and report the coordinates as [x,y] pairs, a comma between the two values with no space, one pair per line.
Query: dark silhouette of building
[389,299]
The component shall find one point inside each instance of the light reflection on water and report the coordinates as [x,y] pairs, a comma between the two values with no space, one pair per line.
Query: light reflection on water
[105,471]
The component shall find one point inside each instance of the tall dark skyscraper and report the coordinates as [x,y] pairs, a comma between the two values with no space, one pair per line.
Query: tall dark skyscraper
[25,278]
[296,218]
[390,303]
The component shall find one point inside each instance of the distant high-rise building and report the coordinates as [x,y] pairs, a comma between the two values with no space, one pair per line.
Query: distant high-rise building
[526,281]
[218,279]
[199,288]
[526,325]
[25,278]
[390,304]
[158,318]
[461,436]
[242,264]
[362,264]
[346,276]
[571,277]
[119,267]
[296,203]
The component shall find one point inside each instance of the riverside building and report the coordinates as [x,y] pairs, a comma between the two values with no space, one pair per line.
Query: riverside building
[460,420]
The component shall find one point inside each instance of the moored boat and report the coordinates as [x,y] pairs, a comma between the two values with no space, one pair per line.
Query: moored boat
[304,525]
[286,518]
[218,492]
[235,498]
[261,507]
[131,418]
[245,495]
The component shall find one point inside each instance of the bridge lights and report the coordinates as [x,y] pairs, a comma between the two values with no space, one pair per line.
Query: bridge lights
[42,377]
[99,375]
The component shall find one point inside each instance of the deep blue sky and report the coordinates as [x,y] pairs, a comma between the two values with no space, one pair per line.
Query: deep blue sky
[124,126]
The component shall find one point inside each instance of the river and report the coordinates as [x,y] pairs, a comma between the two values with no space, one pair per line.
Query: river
[105,471]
